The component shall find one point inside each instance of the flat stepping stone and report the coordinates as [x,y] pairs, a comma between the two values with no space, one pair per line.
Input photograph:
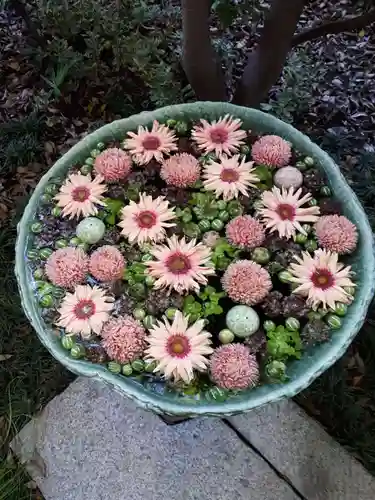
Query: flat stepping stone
[300,449]
[91,443]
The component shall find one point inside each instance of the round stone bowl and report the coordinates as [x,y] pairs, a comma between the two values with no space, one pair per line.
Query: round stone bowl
[301,372]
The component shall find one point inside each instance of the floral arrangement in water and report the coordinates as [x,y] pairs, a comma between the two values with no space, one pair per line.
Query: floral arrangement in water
[196,257]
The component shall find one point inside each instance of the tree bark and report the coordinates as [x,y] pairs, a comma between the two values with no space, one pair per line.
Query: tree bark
[350,24]
[199,58]
[266,61]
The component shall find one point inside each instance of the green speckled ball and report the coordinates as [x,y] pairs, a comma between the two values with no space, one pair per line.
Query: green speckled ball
[90,230]
[243,321]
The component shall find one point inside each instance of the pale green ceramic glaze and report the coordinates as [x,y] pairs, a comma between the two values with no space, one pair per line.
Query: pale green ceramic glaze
[302,372]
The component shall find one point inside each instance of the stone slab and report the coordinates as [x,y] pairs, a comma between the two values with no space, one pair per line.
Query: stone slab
[90,443]
[300,449]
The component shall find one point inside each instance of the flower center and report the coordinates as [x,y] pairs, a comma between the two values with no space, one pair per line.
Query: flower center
[151,143]
[146,219]
[218,135]
[80,194]
[178,346]
[229,175]
[322,278]
[84,309]
[286,211]
[178,263]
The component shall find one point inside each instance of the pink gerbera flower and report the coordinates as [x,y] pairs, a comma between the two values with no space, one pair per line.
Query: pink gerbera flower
[84,311]
[220,136]
[336,233]
[145,145]
[283,212]
[107,263]
[178,348]
[246,282]
[321,279]
[124,339]
[233,367]
[180,265]
[245,232]
[146,220]
[181,170]
[271,150]
[229,177]
[113,164]
[79,195]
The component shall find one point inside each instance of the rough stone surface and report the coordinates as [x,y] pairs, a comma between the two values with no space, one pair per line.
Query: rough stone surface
[300,449]
[90,443]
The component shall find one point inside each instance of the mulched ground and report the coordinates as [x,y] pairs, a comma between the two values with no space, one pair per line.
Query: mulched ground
[327,90]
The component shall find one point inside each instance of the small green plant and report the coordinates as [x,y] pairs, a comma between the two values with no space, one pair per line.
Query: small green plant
[283,343]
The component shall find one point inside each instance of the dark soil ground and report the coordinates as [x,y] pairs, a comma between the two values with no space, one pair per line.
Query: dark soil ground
[327,90]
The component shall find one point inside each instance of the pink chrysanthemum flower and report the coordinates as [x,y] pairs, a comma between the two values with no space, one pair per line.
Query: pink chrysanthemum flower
[271,150]
[336,233]
[107,263]
[229,177]
[113,164]
[283,212]
[245,232]
[246,282]
[146,145]
[321,279]
[124,339]
[233,367]
[79,195]
[84,311]
[179,348]
[146,220]
[222,136]
[180,265]
[67,267]
[181,170]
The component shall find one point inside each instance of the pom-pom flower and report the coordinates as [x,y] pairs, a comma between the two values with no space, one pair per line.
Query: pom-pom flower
[113,164]
[233,367]
[245,232]
[84,311]
[321,279]
[179,348]
[271,150]
[146,145]
[336,233]
[181,170]
[124,339]
[146,220]
[246,282]
[180,265]
[107,263]
[79,195]
[222,136]
[229,177]
[67,267]
[283,212]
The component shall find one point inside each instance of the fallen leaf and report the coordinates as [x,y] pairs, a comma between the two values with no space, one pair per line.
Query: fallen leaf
[4,357]
[362,33]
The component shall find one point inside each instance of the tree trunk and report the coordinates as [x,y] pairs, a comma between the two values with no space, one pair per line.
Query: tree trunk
[266,61]
[199,57]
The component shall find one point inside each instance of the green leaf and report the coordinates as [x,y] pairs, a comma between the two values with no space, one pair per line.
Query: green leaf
[263,173]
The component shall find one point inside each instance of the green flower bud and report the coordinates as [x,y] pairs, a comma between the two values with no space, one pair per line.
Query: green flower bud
[313,202]
[146,257]
[61,243]
[75,241]
[309,162]
[186,216]
[77,351]
[217,225]
[350,290]
[138,365]
[45,253]
[300,238]
[94,153]
[32,254]
[114,367]
[221,205]
[226,336]
[325,191]
[45,288]
[301,165]
[258,205]
[149,321]
[224,215]
[86,169]
[307,228]
[83,246]
[150,366]
[292,324]
[171,123]
[38,273]
[89,161]
[51,189]
[138,290]
[58,292]
[192,230]
[45,198]
[204,225]
[67,341]
[311,245]
[234,208]
[269,325]
[139,313]
[245,150]
[261,255]
[285,276]
[127,370]
[36,227]
[56,211]
[276,370]
[100,145]
[217,394]
[46,301]
[333,321]
[171,312]
[313,315]
[150,281]
[341,309]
